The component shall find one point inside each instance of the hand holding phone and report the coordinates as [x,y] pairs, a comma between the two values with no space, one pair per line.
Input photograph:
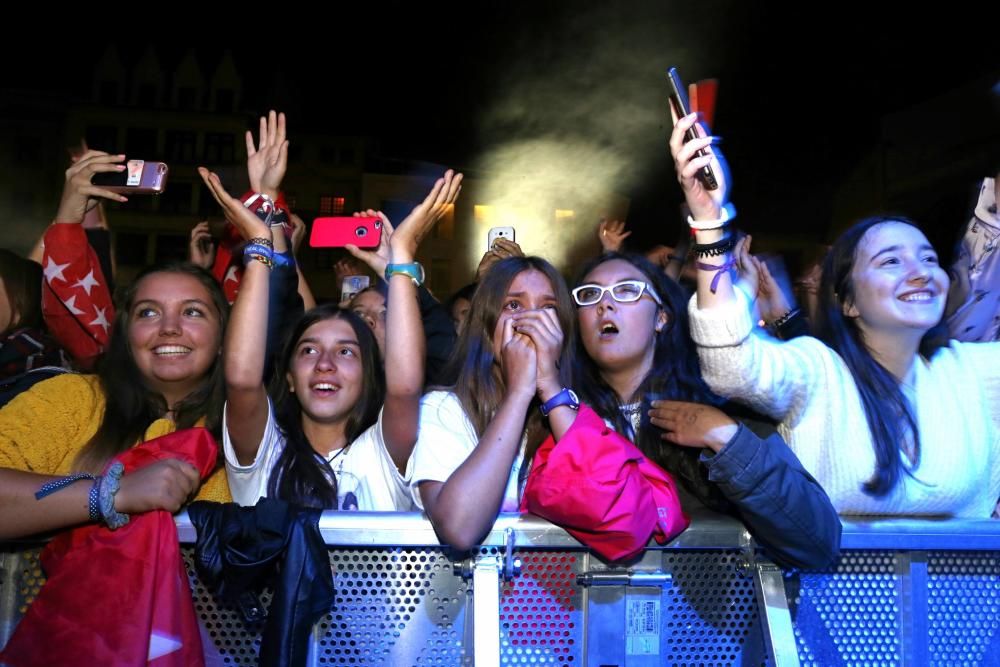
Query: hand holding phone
[679,103]
[506,233]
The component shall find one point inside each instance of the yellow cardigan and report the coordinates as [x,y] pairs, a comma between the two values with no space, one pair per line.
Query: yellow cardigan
[43,429]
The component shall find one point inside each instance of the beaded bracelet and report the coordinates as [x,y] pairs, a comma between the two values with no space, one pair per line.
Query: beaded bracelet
[260,240]
[715,249]
[784,319]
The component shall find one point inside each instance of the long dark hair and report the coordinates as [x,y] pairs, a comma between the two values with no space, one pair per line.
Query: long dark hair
[472,373]
[301,475]
[130,405]
[22,281]
[675,375]
[889,415]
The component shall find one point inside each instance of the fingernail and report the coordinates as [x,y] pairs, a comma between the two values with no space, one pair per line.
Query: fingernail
[119,167]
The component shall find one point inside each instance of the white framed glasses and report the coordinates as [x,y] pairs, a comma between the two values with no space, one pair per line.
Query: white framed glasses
[626,291]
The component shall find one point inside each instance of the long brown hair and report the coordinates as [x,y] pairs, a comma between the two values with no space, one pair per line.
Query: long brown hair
[472,371]
[130,406]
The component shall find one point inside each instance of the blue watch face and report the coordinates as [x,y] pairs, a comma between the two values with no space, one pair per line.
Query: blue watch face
[564,397]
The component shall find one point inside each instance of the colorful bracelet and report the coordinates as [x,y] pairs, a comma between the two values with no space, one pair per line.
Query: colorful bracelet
[261,253]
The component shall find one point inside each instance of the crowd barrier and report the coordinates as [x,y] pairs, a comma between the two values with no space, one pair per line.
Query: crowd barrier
[904,592]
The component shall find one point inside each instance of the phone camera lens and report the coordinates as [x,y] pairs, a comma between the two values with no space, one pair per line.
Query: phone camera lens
[360,232]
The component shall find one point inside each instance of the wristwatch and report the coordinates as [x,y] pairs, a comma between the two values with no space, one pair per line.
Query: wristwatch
[565,397]
[413,270]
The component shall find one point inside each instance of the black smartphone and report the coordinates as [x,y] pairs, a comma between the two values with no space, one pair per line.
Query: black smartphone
[679,101]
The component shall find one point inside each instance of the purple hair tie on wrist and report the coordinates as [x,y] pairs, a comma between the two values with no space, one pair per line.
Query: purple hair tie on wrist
[719,271]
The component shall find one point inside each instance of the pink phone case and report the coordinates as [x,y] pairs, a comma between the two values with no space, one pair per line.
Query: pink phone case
[138,178]
[338,232]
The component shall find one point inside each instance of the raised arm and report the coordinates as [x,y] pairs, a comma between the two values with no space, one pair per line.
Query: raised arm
[76,299]
[246,335]
[405,344]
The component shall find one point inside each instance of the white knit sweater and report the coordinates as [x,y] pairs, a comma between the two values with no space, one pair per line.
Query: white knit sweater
[808,388]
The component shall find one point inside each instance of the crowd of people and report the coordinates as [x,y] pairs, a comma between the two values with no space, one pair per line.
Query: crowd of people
[618,402]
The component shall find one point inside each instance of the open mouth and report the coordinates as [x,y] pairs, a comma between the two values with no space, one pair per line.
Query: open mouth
[608,330]
[171,350]
[922,296]
[325,388]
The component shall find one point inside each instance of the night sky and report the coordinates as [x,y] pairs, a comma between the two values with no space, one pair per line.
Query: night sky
[802,91]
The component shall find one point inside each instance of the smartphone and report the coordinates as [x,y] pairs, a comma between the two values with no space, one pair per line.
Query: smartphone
[499,233]
[352,285]
[679,102]
[341,231]
[138,178]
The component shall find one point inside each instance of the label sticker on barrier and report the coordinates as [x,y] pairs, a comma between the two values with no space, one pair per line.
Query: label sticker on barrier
[642,627]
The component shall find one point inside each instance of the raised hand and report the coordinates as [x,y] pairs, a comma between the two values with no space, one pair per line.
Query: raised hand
[79,194]
[268,161]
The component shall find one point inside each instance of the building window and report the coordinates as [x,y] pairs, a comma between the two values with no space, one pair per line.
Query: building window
[225,100]
[108,93]
[130,248]
[187,98]
[176,199]
[220,148]
[102,138]
[330,205]
[146,95]
[180,146]
[170,247]
[328,154]
[140,143]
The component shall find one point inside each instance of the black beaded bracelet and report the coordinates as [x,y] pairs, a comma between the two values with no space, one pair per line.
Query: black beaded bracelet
[715,249]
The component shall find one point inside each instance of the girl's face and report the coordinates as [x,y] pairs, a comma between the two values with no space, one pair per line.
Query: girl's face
[326,371]
[174,333]
[530,290]
[370,306]
[620,336]
[459,313]
[897,283]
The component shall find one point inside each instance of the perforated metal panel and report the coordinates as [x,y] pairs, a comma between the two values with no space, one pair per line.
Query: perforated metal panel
[21,578]
[850,614]
[541,615]
[225,637]
[963,608]
[406,606]
[710,613]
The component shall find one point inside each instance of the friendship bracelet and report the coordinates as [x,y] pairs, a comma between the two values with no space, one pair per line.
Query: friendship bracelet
[719,271]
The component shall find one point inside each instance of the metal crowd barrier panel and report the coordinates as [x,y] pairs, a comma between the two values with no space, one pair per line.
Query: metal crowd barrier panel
[903,592]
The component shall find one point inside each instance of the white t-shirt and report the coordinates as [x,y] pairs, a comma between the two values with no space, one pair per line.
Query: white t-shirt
[367,479]
[445,440]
